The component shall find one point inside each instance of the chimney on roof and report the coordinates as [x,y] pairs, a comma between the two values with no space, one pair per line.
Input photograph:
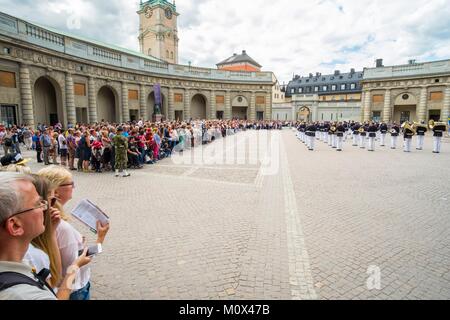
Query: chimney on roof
[352,71]
[310,75]
[412,61]
[234,54]
[337,72]
[379,63]
[244,52]
[317,74]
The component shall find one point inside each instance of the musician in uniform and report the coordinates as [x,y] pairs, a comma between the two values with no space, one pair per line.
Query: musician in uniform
[372,130]
[421,129]
[438,133]
[326,128]
[395,131]
[340,131]
[311,134]
[333,135]
[408,134]
[355,128]
[362,136]
[383,132]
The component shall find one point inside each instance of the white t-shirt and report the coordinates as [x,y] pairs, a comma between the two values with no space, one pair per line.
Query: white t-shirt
[70,242]
[61,140]
[36,258]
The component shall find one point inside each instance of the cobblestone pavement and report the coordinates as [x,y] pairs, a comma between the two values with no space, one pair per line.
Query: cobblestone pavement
[310,231]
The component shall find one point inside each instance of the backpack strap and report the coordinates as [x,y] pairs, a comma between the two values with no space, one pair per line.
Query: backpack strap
[12,279]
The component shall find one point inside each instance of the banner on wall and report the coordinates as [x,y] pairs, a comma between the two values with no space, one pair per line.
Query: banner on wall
[158,100]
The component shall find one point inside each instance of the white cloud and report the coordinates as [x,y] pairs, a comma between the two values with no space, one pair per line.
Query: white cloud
[284,36]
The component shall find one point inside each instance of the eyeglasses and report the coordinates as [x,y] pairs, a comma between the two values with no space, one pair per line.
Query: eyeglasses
[72,184]
[42,206]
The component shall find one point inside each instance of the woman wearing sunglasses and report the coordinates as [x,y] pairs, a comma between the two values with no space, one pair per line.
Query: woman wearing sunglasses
[70,241]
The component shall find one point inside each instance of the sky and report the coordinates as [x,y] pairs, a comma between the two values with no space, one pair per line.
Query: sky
[286,37]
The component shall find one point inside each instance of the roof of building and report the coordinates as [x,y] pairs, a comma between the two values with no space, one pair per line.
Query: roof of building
[320,80]
[239,58]
[156,2]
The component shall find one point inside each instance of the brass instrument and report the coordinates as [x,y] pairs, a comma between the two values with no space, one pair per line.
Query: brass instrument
[407,126]
[393,131]
[361,130]
[333,129]
[431,124]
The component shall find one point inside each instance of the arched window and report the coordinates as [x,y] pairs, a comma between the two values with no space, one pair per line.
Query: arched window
[150,51]
[167,54]
[171,55]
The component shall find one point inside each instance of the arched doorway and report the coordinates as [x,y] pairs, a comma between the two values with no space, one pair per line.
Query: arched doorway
[405,108]
[106,105]
[151,106]
[304,114]
[46,102]
[198,107]
[240,107]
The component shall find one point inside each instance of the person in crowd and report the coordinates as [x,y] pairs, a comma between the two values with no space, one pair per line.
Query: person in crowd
[70,241]
[63,147]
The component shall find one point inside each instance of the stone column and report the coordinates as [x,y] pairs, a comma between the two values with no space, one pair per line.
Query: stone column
[92,111]
[361,111]
[213,105]
[143,104]
[387,111]
[268,106]
[315,111]
[70,100]
[446,107]
[367,106]
[228,111]
[422,108]
[187,105]
[171,104]
[253,106]
[125,107]
[26,96]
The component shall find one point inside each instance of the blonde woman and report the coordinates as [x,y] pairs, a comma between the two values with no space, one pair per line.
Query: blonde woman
[70,241]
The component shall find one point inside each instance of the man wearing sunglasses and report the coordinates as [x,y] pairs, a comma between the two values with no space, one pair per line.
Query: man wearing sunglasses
[21,220]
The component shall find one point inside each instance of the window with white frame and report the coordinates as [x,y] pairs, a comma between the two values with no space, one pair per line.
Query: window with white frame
[333,87]
[353,86]
[343,86]
[324,88]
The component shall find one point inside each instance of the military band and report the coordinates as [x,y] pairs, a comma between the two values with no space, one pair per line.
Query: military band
[366,134]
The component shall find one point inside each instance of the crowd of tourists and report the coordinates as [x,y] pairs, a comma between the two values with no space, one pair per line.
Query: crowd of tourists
[110,147]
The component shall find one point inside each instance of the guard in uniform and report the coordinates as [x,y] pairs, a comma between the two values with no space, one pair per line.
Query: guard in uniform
[408,134]
[395,131]
[383,132]
[421,129]
[438,133]
[340,131]
[372,135]
[121,150]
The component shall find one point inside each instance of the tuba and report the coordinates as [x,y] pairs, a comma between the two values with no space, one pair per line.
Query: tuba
[431,124]
[407,126]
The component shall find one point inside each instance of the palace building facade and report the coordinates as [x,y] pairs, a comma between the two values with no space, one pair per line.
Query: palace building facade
[49,76]
[410,92]
[332,97]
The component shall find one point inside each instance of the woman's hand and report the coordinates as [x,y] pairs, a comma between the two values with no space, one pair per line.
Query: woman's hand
[102,231]
[83,259]
[55,217]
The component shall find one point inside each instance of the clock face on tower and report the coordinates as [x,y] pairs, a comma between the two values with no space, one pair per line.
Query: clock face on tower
[168,13]
[148,12]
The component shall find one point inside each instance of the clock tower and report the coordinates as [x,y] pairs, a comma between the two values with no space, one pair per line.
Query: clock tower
[158,32]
